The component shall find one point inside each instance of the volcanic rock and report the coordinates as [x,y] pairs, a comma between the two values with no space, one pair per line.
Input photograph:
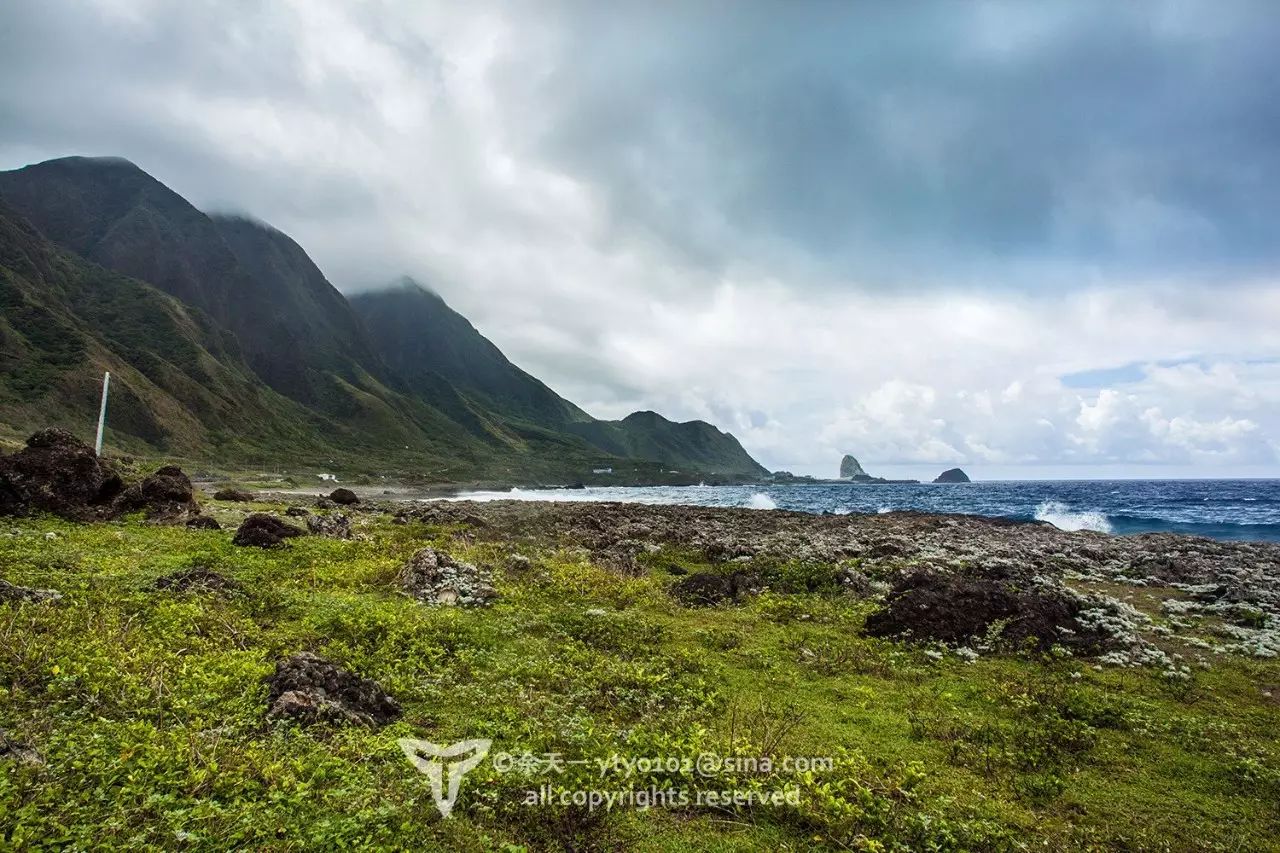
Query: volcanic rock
[203,522]
[310,689]
[334,525]
[344,497]
[264,531]
[14,750]
[166,495]
[1013,606]
[952,475]
[237,495]
[705,589]
[57,473]
[850,468]
[196,579]
[13,592]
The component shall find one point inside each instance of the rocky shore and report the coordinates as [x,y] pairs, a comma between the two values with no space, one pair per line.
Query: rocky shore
[1158,598]
[981,683]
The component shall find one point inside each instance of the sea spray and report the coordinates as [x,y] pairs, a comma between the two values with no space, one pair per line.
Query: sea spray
[760,500]
[1064,517]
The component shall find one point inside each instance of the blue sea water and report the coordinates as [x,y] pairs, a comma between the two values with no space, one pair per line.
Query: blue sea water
[1220,509]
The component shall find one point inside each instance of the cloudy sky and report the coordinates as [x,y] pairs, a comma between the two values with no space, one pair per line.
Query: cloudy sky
[1035,239]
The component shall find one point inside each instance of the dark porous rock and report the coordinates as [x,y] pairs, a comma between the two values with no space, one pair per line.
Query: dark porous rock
[960,606]
[344,497]
[334,525]
[13,592]
[59,474]
[323,503]
[165,495]
[196,579]
[297,512]
[264,531]
[203,522]
[952,475]
[435,578]
[16,750]
[705,589]
[310,689]
[236,495]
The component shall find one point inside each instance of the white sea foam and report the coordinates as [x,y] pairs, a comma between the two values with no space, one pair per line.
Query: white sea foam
[884,510]
[761,501]
[1063,517]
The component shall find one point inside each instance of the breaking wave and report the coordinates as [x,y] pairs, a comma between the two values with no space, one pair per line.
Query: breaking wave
[760,500]
[1064,517]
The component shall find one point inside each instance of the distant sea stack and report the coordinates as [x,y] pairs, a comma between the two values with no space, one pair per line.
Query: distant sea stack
[952,475]
[851,472]
[849,468]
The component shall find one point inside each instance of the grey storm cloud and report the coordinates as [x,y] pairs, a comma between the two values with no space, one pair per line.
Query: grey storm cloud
[1006,142]
[900,140]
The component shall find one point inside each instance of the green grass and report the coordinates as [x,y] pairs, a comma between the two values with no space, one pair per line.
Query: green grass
[148,708]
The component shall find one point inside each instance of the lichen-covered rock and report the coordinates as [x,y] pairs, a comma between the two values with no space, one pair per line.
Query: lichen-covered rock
[435,578]
[13,592]
[310,689]
[196,579]
[334,525]
[263,531]
[59,474]
[166,495]
[16,750]
[858,584]
[705,589]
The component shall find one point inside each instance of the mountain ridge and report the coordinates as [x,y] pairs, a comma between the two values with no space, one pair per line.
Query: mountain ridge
[253,305]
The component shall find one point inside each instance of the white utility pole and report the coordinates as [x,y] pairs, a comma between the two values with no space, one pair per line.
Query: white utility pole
[102,412]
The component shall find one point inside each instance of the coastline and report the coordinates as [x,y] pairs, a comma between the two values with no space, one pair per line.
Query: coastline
[1092,669]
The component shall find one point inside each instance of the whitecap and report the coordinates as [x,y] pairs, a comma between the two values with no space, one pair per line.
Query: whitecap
[761,501]
[1063,517]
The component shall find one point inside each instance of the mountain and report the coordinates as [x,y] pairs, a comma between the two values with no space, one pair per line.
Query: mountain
[689,446]
[423,340]
[294,330]
[226,341]
[179,382]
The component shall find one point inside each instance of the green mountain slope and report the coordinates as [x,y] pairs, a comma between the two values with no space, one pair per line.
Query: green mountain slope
[228,341]
[690,446]
[422,338]
[179,383]
[296,332]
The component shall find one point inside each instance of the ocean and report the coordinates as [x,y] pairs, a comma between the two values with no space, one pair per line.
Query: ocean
[1219,509]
